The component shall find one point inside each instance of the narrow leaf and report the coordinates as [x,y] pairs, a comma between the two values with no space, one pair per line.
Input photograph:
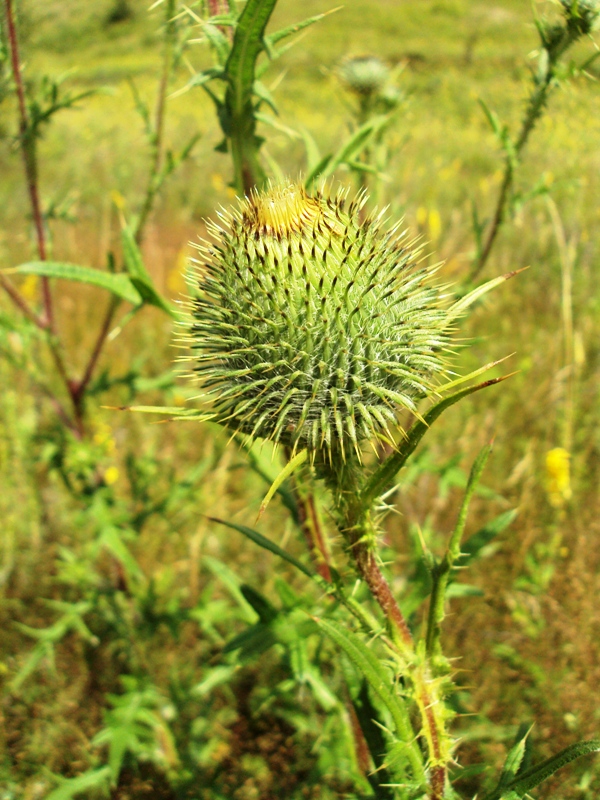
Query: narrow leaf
[119,284]
[71,787]
[247,45]
[277,36]
[138,273]
[528,780]
[471,548]
[262,541]
[513,761]
[383,477]
[285,473]
[461,305]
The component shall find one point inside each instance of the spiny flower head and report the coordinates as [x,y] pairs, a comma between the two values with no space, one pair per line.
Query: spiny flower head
[312,326]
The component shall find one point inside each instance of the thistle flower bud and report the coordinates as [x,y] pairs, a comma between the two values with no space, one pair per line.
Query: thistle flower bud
[311,326]
[364,75]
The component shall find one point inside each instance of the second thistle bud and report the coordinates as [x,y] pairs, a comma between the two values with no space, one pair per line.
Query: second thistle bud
[311,326]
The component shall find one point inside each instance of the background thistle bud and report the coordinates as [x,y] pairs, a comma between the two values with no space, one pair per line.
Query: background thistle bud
[311,326]
[364,75]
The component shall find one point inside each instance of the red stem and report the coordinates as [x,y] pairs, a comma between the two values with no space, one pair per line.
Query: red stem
[29,160]
[20,302]
[78,388]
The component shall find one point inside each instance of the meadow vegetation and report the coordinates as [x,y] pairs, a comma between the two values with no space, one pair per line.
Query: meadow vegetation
[126,666]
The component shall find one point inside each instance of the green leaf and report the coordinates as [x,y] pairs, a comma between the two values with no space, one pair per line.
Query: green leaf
[237,114]
[471,548]
[134,264]
[463,303]
[514,759]
[285,473]
[262,541]
[370,726]
[247,45]
[277,36]
[71,787]
[493,119]
[216,676]
[350,149]
[252,642]
[112,540]
[522,784]
[232,583]
[261,462]
[217,40]
[455,590]
[380,682]
[313,154]
[383,477]
[119,284]
[266,611]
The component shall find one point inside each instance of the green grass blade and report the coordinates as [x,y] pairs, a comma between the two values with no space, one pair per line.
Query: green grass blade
[118,284]
[91,779]
[262,541]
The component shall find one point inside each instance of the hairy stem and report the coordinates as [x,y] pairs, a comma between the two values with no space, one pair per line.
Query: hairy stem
[357,526]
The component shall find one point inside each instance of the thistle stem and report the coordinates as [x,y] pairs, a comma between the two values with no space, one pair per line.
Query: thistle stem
[543,82]
[356,524]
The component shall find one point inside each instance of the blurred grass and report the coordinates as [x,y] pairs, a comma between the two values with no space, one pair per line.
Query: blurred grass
[525,654]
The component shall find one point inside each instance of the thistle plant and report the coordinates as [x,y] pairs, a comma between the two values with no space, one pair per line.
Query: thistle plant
[314,328]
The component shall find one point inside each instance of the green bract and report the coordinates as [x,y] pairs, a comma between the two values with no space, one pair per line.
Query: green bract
[312,326]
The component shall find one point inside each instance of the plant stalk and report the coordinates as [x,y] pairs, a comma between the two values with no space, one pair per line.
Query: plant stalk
[538,99]
[154,178]
[356,525]
[28,151]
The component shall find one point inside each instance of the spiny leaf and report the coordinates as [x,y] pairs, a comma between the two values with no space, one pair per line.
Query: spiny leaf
[522,784]
[247,45]
[277,36]
[378,679]
[514,759]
